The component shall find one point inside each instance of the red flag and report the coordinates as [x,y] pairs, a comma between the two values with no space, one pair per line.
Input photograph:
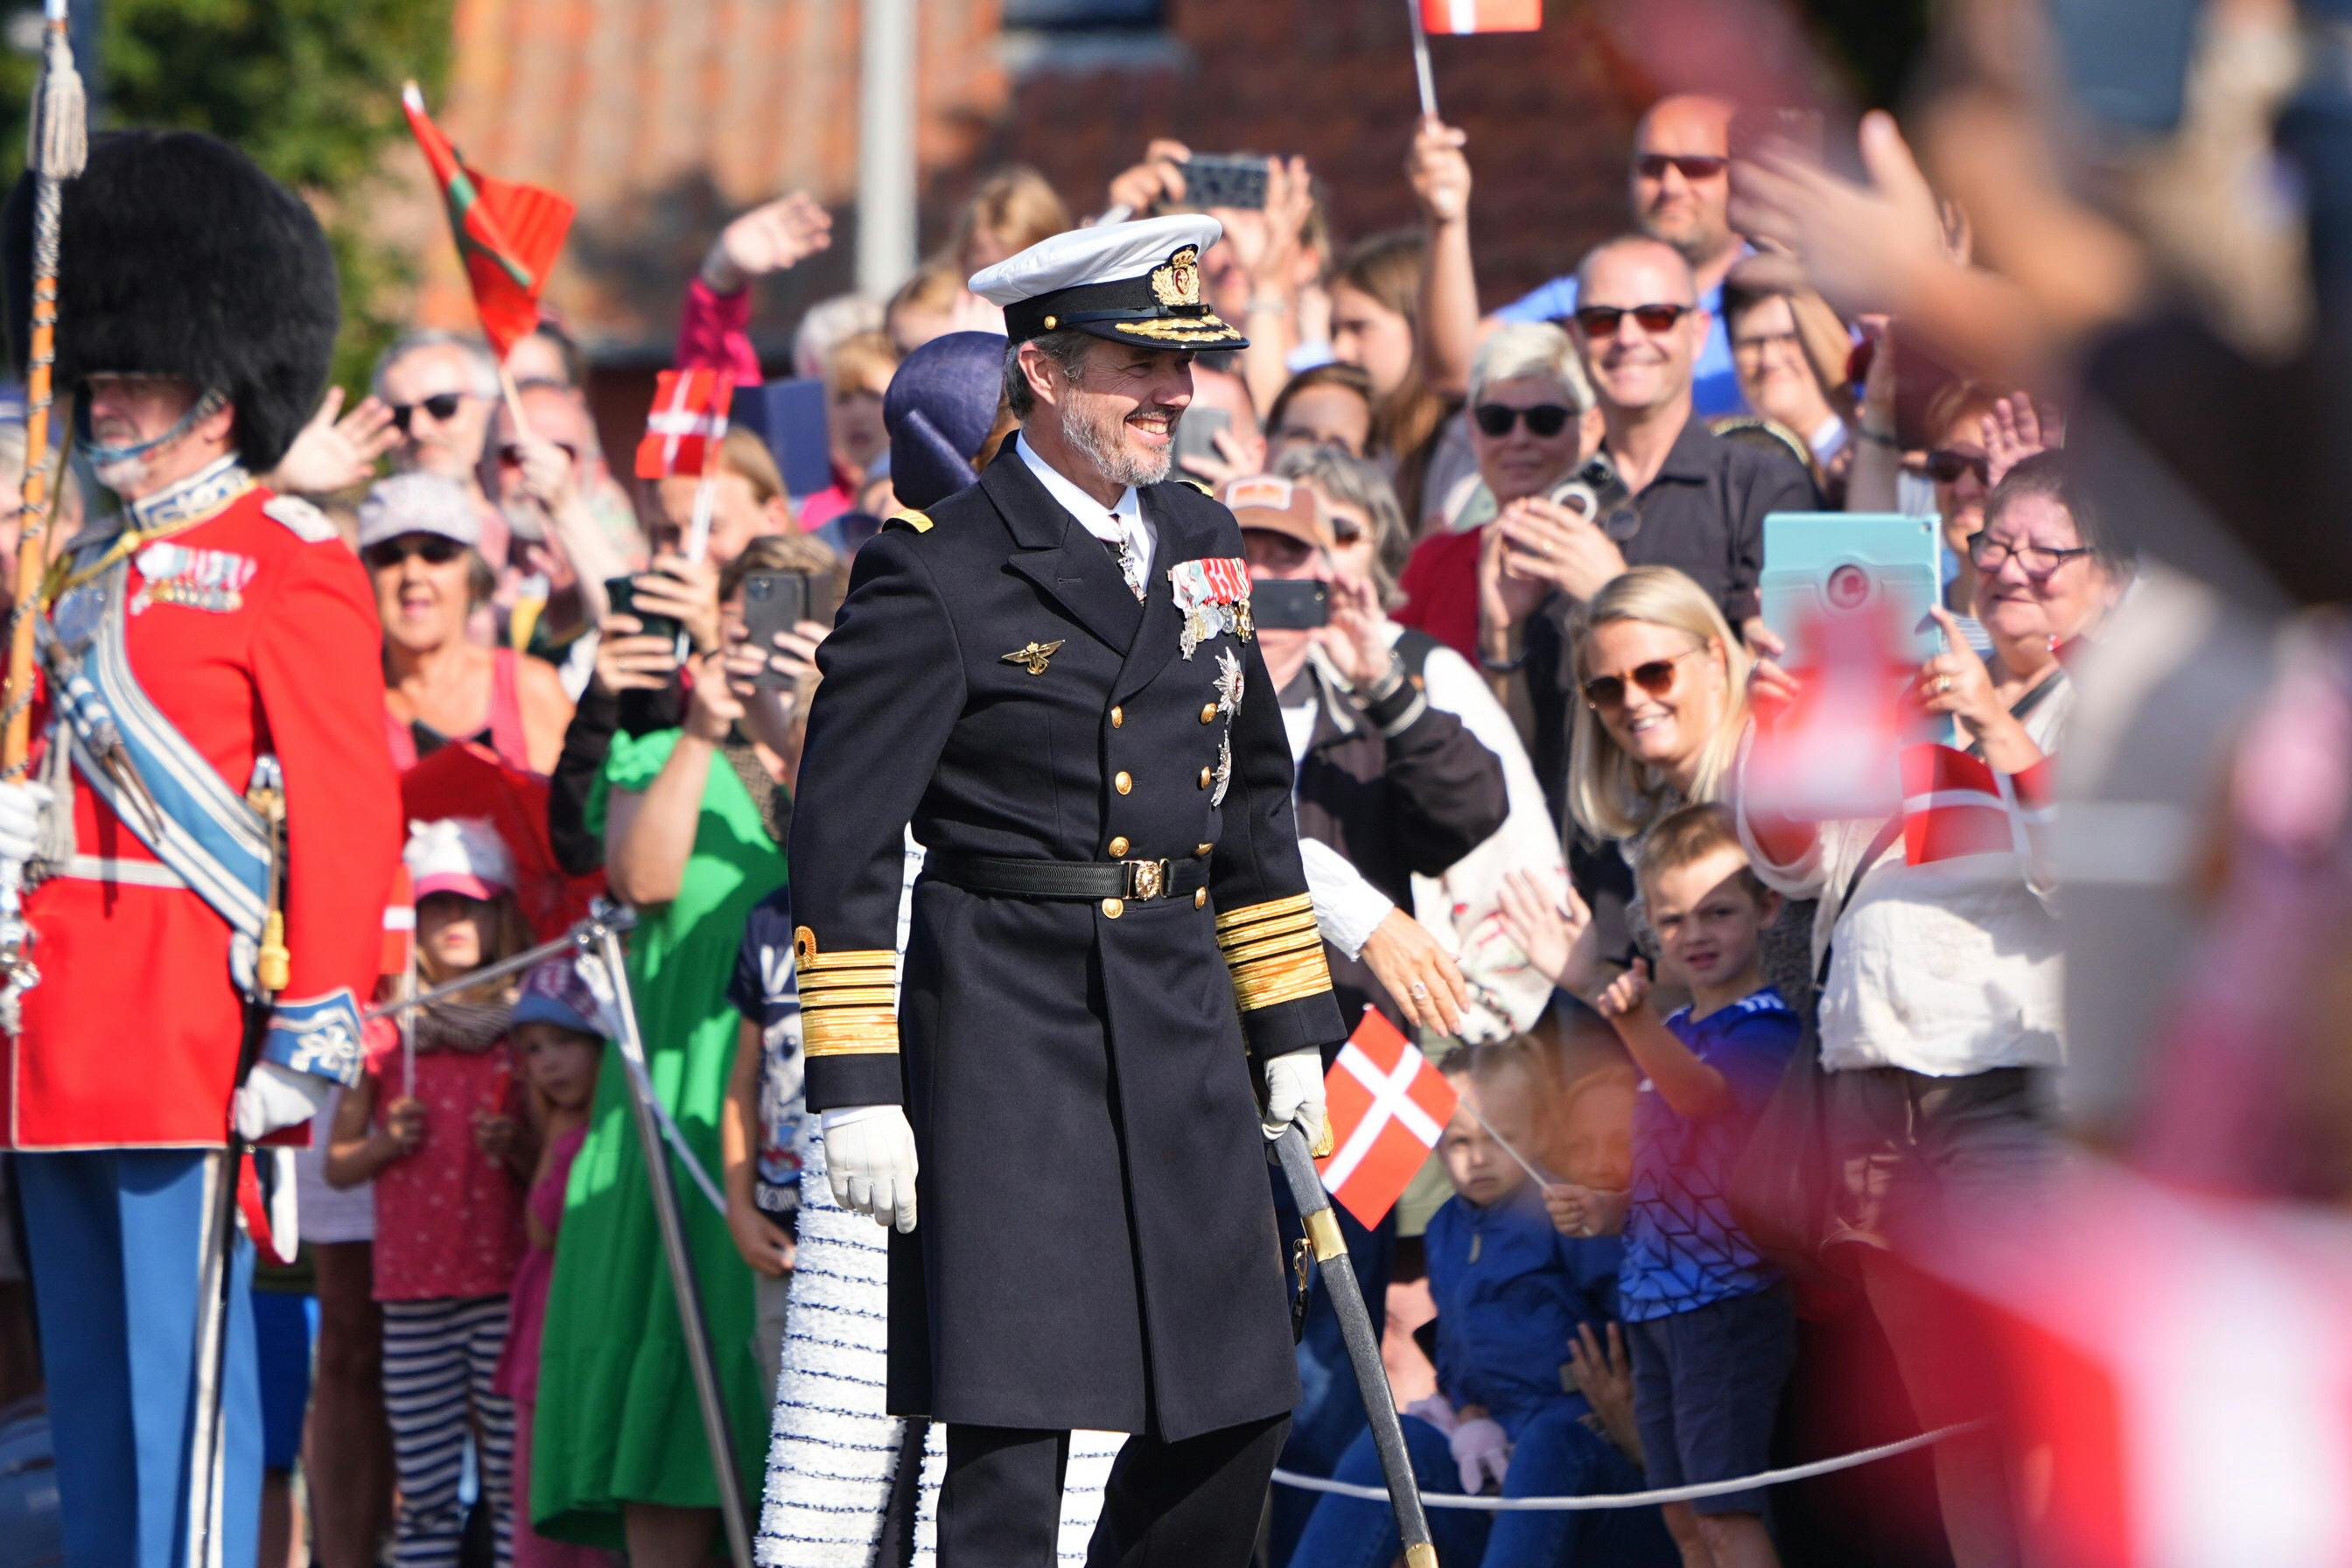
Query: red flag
[1956,804]
[1388,1106]
[399,925]
[1481,15]
[508,235]
[686,421]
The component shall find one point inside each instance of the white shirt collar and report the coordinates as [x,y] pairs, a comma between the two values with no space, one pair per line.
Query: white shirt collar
[1091,513]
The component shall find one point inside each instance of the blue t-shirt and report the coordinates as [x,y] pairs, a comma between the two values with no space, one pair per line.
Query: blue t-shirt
[1715,386]
[765,989]
[1510,1291]
[1683,1250]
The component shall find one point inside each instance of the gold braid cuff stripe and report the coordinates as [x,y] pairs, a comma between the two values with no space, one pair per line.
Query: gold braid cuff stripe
[1281,979]
[1249,913]
[849,1031]
[1244,957]
[849,996]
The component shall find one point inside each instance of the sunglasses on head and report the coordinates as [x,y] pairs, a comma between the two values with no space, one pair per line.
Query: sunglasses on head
[1545,420]
[1601,320]
[442,406]
[1657,678]
[1944,467]
[436,548]
[1653,165]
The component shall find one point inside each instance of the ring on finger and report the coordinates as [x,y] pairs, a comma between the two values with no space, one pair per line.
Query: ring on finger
[1417,991]
[1943,684]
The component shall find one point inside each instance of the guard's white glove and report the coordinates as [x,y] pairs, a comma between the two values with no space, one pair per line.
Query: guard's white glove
[272,1096]
[1433,1409]
[22,805]
[1481,1450]
[870,1158]
[1294,1092]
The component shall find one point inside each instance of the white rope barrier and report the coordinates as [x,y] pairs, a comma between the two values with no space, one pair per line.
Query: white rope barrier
[1631,1500]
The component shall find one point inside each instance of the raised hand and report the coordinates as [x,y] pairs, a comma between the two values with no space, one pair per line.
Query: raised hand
[770,239]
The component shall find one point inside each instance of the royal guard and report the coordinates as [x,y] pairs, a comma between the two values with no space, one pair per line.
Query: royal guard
[1052,676]
[208,832]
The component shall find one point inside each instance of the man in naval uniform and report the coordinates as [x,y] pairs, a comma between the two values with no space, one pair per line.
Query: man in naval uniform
[1052,676]
[200,970]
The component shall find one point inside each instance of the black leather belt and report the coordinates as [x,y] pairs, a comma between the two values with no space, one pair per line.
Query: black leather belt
[1140,881]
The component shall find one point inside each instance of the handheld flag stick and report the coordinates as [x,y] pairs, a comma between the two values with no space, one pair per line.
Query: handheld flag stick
[698,533]
[512,395]
[1537,1177]
[1364,1346]
[59,147]
[1421,61]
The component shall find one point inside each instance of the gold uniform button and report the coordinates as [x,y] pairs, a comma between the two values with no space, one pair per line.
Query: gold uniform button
[1200,896]
[1203,849]
[1119,848]
[1208,712]
[1122,782]
[1113,908]
[1206,775]
[1118,717]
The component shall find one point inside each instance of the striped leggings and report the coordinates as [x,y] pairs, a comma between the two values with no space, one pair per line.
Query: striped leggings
[438,1357]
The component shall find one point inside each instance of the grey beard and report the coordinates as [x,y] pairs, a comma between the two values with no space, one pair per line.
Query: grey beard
[1106,447]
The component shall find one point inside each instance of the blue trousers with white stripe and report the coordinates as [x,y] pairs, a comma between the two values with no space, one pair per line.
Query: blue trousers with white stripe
[125,1264]
[438,1358]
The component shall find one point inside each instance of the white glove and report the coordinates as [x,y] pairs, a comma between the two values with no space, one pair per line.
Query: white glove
[869,1158]
[22,805]
[272,1096]
[1481,1451]
[1433,1409]
[1294,1092]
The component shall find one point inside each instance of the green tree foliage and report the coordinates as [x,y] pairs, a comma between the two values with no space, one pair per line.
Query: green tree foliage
[310,88]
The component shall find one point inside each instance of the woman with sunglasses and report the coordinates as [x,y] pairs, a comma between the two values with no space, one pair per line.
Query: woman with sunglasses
[1941,1011]
[419,537]
[1533,421]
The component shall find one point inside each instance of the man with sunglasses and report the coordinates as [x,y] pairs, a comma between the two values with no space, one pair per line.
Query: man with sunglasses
[1698,503]
[201,968]
[441,389]
[1679,182]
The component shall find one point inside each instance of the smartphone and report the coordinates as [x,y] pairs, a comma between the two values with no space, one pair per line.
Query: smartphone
[1290,605]
[623,594]
[789,417]
[1820,564]
[774,602]
[1224,180]
[1597,494]
[1196,434]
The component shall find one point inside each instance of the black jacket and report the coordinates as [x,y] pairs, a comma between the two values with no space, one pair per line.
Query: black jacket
[1096,1247]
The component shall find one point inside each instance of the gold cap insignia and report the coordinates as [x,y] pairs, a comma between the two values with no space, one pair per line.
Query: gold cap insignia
[1179,281]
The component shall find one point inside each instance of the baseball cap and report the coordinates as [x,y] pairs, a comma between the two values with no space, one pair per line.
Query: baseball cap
[1277,506]
[418,503]
[458,855]
[553,993]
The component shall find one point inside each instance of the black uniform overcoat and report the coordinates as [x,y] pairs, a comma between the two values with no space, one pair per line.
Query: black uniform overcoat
[1094,1245]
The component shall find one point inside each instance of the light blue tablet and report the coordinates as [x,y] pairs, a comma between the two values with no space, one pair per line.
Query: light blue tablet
[1821,563]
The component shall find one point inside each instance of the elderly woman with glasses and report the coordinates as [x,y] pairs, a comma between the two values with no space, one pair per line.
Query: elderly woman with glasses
[419,538]
[1533,421]
[1941,999]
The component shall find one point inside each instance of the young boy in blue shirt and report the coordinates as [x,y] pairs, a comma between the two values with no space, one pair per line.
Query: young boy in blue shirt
[1711,1325]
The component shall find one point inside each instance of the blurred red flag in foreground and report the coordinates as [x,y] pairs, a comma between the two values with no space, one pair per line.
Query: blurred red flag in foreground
[1389,1106]
[506,235]
[1481,15]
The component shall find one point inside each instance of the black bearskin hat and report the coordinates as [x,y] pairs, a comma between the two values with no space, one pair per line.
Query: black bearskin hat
[178,257]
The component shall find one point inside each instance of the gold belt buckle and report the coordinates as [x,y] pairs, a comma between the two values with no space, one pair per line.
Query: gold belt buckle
[1147,880]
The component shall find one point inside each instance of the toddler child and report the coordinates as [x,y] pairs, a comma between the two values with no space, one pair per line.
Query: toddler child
[447,1153]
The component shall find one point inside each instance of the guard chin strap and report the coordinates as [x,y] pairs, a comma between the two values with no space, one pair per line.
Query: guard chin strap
[99,456]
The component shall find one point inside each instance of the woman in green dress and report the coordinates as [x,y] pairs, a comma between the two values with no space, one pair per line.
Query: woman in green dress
[693,820]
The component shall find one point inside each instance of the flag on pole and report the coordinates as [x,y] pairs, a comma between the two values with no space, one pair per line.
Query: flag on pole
[1460,16]
[399,925]
[506,234]
[685,424]
[1388,1105]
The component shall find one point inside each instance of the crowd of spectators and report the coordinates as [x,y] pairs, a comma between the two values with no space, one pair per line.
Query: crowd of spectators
[1519,738]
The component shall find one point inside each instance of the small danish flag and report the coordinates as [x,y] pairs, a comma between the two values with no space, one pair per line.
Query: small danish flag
[685,424]
[1956,804]
[399,924]
[1481,15]
[1388,1106]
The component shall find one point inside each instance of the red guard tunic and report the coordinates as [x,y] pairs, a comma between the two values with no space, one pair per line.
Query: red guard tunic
[257,635]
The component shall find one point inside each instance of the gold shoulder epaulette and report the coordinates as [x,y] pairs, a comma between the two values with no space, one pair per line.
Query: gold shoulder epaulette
[918,520]
[1196,484]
